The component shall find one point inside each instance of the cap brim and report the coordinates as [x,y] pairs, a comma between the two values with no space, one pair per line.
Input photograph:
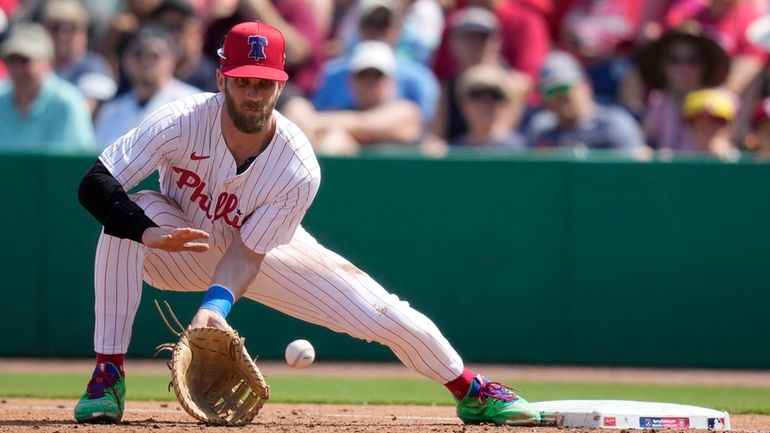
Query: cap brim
[256,71]
[473,28]
[364,66]
[22,48]
[26,53]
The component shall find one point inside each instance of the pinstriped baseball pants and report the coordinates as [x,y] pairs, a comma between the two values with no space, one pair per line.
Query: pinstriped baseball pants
[302,279]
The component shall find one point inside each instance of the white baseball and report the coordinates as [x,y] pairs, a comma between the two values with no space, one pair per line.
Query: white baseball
[300,354]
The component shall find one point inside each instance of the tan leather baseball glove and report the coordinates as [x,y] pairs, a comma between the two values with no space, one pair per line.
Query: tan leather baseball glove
[214,378]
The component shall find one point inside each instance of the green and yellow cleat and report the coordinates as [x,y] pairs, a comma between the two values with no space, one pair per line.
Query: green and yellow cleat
[492,402]
[105,396]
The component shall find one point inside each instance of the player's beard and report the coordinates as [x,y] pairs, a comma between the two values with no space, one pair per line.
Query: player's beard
[245,121]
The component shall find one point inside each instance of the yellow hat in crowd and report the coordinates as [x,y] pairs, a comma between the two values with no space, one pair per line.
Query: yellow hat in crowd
[710,102]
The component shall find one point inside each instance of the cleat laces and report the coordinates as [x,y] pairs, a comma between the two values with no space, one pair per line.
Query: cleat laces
[496,391]
[99,384]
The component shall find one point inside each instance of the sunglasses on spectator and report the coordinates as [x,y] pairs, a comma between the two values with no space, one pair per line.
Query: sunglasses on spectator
[374,22]
[485,93]
[371,73]
[62,26]
[146,54]
[16,59]
[684,60]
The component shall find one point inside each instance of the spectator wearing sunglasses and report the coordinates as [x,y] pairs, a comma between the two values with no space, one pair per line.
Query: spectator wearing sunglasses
[474,38]
[681,61]
[727,22]
[523,35]
[149,60]
[572,118]
[67,22]
[378,113]
[379,20]
[484,94]
[131,16]
[38,109]
[192,67]
[412,27]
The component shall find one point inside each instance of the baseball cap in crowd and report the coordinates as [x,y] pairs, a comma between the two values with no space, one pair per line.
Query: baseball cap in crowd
[69,11]
[484,79]
[182,7]
[474,20]
[138,40]
[560,72]
[253,50]
[715,103]
[372,55]
[28,40]
[366,7]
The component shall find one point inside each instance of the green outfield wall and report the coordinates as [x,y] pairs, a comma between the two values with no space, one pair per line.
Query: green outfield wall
[518,259]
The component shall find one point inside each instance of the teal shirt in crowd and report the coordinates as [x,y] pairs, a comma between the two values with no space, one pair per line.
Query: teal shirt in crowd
[58,120]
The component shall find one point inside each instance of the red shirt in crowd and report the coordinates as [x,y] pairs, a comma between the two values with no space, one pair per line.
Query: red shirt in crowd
[729,29]
[9,7]
[597,26]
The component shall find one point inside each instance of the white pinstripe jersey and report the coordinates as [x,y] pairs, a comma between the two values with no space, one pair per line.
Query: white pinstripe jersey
[183,141]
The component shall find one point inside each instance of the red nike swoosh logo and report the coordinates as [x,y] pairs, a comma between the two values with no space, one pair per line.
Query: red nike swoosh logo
[195,157]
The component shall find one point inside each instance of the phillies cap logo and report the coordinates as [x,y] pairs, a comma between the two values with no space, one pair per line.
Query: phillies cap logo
[254,49]
[258,44]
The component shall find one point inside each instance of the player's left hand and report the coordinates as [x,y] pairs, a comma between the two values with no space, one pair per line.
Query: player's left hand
[206,318]
[178,239]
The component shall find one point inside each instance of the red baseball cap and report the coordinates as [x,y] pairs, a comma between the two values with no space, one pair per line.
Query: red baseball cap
[253,50]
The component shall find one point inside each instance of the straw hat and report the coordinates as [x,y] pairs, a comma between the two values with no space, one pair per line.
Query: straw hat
[486,77]
[651,57]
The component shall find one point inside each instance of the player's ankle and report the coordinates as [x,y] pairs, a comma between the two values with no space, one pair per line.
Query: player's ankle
[114,359]
[459,387]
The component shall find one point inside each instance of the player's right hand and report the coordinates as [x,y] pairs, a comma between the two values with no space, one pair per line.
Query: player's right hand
[178,239]
[205,318]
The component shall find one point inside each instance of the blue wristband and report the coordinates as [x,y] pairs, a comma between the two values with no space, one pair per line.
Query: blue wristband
[219,299]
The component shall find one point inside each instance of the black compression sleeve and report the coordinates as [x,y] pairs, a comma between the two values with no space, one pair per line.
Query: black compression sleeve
[101,194]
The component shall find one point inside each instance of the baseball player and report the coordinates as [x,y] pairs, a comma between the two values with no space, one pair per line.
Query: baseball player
[236,178]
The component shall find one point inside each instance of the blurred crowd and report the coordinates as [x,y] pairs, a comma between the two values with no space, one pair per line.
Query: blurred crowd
[668,77]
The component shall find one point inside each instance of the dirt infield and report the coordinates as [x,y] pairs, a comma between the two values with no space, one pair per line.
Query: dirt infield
[55,416]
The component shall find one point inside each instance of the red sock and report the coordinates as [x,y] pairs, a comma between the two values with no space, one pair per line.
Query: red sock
[459,387]
[116,360]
